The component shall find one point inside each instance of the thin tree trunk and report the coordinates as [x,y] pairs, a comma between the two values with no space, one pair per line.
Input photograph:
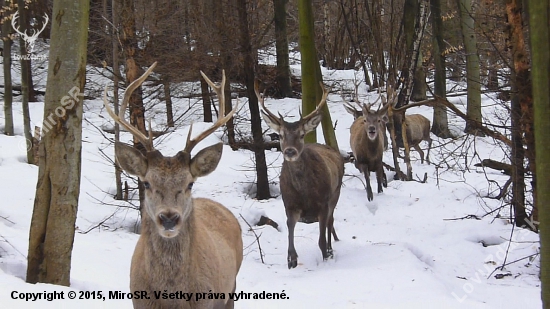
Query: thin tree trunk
[262,183]
[25,64]
[57,191]
[521,81]
[168,98]
[281,45]
[116,70]
[473,109]
[206,101]
[440,124]
[539,17]
[8,95]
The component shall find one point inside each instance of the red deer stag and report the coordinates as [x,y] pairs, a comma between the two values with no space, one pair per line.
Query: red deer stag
[187,244]
[310,179]
[367,144]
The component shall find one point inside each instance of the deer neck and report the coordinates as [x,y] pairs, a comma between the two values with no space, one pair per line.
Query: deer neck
[169,252]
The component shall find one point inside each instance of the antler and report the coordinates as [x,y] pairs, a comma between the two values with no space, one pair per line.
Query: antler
[191,143]
[147,141]
[13,19]
[47,19]
[321,103]
[264,109]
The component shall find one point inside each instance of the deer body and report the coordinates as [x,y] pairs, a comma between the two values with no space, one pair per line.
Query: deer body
[187,245]
[311,178]
[418,130]
[367,144]
[310,187]
[215,254]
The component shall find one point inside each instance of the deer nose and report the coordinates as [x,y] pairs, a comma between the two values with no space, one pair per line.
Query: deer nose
[169,220]
[372,129]
[290,152]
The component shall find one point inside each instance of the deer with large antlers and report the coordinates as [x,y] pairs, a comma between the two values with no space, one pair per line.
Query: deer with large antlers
[311,177]
[187,244]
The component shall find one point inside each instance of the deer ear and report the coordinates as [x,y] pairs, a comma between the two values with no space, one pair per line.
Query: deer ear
[385,118]
[274,124]
[313,122]
[130,159]
[206,160]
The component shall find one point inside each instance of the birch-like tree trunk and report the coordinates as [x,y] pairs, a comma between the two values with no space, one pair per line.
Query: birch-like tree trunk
[116,70]
[57,191]
[467,26]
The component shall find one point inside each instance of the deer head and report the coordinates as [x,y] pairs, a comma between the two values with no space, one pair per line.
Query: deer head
[374,122]
[292,133]
[30,40]
[168,180]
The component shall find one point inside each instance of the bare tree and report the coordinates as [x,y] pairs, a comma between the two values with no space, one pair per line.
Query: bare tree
[467,25]
[58,187]
[540,47]
[7,9]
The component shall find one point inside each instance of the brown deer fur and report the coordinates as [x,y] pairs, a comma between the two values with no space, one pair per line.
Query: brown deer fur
[418,130]
[311,178]
[187,245]
[367,145]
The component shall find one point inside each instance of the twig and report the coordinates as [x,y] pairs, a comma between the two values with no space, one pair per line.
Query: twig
[503,265]
[257,238]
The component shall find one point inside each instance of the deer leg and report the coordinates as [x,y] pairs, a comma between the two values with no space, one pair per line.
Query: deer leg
[366,172]
[428,152]
[323,218]
[330,229]
[292,218]
[419,150]
[380,179]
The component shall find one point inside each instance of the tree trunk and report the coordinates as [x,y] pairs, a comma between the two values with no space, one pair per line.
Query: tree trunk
[522,101]
[116,70]
[57,191]
[419,83]
[281,45]
[168,98]
[25,64]
[440,123]
[226,60]
[6,56]
[132,70]
[539,14]
[472,66]
[206,101]
[262,184]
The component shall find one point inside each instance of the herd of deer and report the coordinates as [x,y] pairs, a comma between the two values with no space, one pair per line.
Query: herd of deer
[194,244]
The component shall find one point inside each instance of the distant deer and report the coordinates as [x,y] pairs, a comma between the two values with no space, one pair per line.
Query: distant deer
[367,143]
[311,177]
[187,244]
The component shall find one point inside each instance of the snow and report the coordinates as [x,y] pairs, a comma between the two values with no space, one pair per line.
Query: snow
[408,248]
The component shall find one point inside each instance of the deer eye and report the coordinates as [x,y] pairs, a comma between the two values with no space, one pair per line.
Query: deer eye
[146,185]
[302,135]
[190,185]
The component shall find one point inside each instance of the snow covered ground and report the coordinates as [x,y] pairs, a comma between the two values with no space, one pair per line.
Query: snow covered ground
[402,250]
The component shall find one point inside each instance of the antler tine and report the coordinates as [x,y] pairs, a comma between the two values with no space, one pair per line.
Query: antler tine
[261,100]
[191,143]
[321,103]
[147,141]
